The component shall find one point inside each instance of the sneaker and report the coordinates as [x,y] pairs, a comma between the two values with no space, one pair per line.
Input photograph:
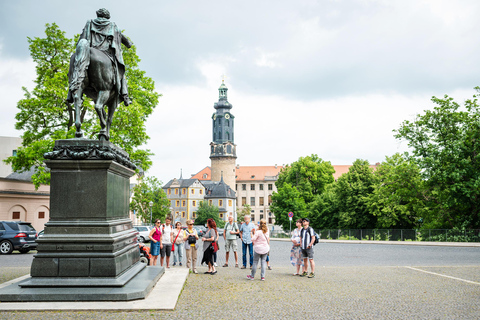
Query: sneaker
[174,264]
[263,279]
[195,271]
[249,277]
[180,264]
[269,268]
[304,274]
[243,267]
[215,264]
[311,275]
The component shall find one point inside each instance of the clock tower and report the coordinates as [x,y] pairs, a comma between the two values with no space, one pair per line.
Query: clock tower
[223,151]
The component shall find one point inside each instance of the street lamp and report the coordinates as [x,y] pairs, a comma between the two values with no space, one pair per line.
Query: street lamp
[151,205]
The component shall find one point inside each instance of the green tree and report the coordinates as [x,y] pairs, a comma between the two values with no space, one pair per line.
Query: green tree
[323,210]
[398,199]
[207,211]
[148,190]
[242,212]
[44,115]
[445,143]
[352,191]
[287,199]
[310,175]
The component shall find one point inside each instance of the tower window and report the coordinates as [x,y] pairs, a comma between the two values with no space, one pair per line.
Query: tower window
[227,123]
[228,136]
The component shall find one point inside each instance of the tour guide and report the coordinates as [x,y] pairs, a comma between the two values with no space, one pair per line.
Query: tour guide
[246,236]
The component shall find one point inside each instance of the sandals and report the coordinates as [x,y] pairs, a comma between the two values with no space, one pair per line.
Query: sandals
[225,265]
[236,265]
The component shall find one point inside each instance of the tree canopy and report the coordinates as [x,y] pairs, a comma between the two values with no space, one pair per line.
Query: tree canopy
[207,211]
[148,190]
[445,144]
[44,115]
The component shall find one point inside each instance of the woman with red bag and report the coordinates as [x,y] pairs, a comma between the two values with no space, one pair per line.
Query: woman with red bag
[209,246]
[178,244]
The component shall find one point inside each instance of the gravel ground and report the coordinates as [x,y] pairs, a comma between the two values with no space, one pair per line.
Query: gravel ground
[335,293]
[343,291]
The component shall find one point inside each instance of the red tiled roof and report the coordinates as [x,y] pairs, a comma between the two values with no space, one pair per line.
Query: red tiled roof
[200,174]
[252,173]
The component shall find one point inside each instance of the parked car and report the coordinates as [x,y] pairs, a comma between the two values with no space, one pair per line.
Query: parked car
[143,232]
[17,235]
[200,230]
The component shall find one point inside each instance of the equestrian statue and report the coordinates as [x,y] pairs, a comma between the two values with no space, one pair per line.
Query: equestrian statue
[98,71]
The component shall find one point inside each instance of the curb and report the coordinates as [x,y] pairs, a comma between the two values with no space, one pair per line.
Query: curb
[401,243]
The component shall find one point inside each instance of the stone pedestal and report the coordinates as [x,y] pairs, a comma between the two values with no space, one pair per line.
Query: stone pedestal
[89,240]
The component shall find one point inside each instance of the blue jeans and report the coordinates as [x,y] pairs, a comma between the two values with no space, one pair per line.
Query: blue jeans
[178,253]
[250,252]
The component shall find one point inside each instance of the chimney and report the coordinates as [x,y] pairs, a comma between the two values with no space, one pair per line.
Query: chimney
[275,166]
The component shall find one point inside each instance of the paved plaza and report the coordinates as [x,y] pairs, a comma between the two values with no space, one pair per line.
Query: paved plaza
[353,281]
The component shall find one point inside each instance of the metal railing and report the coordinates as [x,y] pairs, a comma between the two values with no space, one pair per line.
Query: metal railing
[443,235]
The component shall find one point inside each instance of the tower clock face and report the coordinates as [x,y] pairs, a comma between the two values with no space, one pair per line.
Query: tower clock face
[214,117]
[227,116]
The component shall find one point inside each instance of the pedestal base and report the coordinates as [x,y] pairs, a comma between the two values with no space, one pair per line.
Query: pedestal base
[137,288]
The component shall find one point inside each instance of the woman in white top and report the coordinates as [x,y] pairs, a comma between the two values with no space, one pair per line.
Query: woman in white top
[296,252]
[261,247]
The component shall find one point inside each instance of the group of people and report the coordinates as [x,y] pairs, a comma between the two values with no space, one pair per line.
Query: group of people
[166,239]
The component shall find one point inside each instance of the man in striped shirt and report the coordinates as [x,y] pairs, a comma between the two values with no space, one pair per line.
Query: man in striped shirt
[307,238]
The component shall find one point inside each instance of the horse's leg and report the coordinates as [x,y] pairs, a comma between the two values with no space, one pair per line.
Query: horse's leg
[77,102]
[112,106]
[99,105]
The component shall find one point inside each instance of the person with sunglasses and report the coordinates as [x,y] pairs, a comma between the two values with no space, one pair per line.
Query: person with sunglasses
[190,237]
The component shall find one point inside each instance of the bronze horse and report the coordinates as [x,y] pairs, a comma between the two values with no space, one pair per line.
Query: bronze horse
[98,82]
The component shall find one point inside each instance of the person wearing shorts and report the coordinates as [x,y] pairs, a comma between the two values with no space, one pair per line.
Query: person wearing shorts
[167,240]
[230,235]
[307,238]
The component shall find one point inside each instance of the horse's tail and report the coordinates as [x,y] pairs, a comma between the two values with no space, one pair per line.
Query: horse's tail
[82,60]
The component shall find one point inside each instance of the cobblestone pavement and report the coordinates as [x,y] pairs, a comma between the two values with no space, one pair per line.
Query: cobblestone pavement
[450,290]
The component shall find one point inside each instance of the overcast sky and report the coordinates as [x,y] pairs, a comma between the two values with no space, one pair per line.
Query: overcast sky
[327,77]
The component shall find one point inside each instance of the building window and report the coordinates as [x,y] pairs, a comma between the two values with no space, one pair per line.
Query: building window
[16,215]
[236,186]
[184,203]
[270,186]
[230,203]
[177,213]
[205,176]
[184,191]
[201,191]
[260,201]
[252,187]
[41,215]
[261,216]
[269,199]
[221,215]
[183,214]
[193,191]
[194,203]
[169,191]
[14,153]
[270,220]
[244,186]
[252,201]
[253,217]
[244,201]
[194,214]
[261,187]
[177,203]
[176,191]
[210,202]
[220,203]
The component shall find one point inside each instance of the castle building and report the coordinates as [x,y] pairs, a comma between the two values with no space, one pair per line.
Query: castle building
[223,153]
[185,196]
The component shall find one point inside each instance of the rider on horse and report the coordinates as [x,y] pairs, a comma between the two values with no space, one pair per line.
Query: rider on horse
[104,35]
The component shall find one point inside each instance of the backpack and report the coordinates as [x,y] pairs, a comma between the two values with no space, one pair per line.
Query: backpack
[317,237]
